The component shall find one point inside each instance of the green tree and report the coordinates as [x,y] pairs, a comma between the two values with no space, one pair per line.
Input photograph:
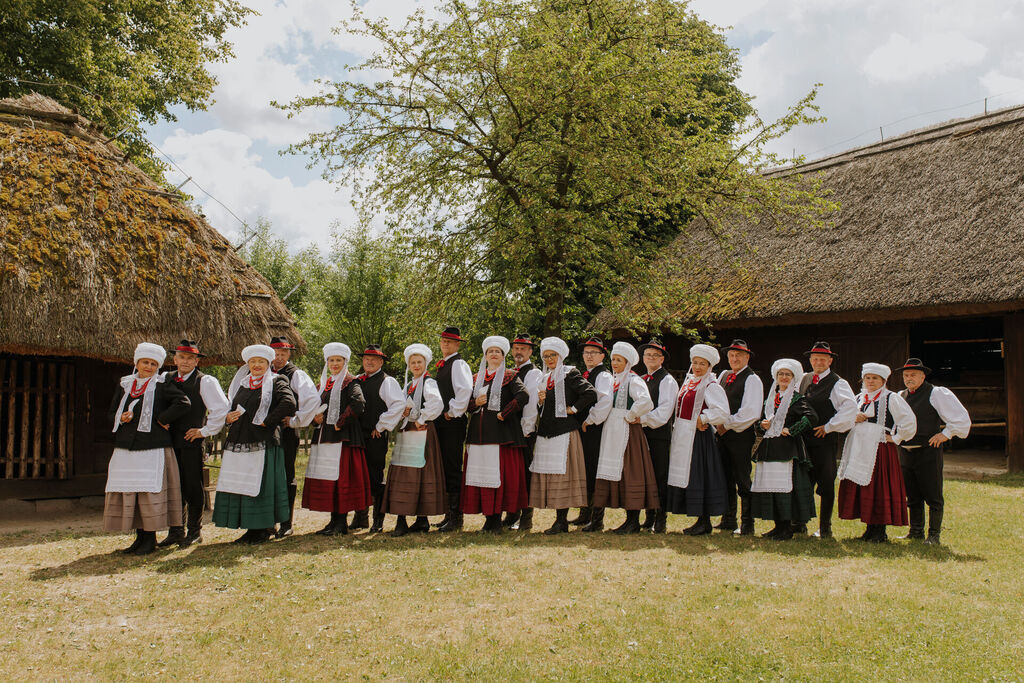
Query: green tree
[120,63]
[291,275]
[537,146]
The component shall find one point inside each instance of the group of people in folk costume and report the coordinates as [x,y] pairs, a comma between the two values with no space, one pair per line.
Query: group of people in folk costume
[506,440]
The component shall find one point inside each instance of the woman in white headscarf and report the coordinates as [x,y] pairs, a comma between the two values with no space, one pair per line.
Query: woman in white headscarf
[337,477]
[494,479]
[625,473]
[696,478]
[143,491]
[415,484]
[559,472]
[782,490]
[252,488]
[870,479]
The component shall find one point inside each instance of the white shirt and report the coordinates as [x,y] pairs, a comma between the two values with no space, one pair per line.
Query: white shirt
[750,406]
[668,391]
[394,400]
[462,384]
[604,386]
[637,388]
[903,418]
[307,396]
[432,402]
[216,402]
[843,400]
[528,422]
[951,411]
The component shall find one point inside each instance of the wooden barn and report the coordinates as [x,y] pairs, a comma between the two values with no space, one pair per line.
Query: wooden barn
[925,257]
[94,258]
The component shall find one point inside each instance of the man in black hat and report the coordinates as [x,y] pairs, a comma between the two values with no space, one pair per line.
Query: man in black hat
[657,424]
[594,352]
[530,375]
[455,382]
[921,457]
[385,405]
[204,418]
[308,399]
[745,392]
[835,405]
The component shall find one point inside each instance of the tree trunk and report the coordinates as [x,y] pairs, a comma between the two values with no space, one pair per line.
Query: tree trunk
[553,312]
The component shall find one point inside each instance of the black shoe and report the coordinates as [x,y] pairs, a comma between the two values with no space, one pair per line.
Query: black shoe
[511,519]
[246,537]
[660,520]
[284,530]
[328,529]
[823,532]
[193,537]
[360,520]
[148,544]
[525,522]
[879,537]
[701,528]
[596,520]
[493,524]
[785,533]
[631,525]
[583,518]
[455,522]
[771,533]
[420,526]
[174,537]
[557,528]
[914,535]
[933,538]
[869,530]
[649,519]
[746,529]
[800,529]
[726,524]
[378,521]
[130,550]
[401,527]
[438,525]
[259,536]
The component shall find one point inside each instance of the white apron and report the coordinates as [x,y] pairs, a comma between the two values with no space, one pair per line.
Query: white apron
[136,471]
[772,477]
[614,439]
[860,452]
[324,462]
[410,449]
[242,473]
[681,452]
[550,454]
[483,466]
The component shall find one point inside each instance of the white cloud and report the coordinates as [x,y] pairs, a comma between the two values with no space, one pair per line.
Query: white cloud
[902,59]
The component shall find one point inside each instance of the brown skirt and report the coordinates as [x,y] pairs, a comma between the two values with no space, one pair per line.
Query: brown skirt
[147,511]
[417,490]
[569,490]
[637,489]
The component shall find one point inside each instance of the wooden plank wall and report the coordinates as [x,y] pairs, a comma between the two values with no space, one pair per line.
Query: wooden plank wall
[37,418]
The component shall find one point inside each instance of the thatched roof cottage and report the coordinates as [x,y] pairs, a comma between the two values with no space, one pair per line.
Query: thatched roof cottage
[94,258]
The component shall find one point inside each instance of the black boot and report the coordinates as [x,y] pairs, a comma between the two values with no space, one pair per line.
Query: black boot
[649,519]
[879,536]
[285,528]
[420,526]
[337,525]
[596,520]
[525,522]
[193,537]
[771,533]
[800,528]
[701,528]
[175,536]
[933,538]
[746,527]
[493,524]
[561,524]
[869,530]
[341,527]
[401,527]
[727,524]
[328,529]
[660,520]
[360,520]
[632,523]
[147,543]
[511,518]
[934,526]
[130,550]
[455,520]
[378,514]
[785,532]
[447,517]
[260,536]
[246,537]
[583,518]
[824,529]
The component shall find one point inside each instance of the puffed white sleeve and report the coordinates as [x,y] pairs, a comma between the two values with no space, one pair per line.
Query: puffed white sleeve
[903,418]
[394,400]
[217,406]
[462,384]
[642,402]
[952,412]
[845,403]
[433,404]
[528,421]
[716,404]
[308,398]
[668,391]
[604,386]
[750,407]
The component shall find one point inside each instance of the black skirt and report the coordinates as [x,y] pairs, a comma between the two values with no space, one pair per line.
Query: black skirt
[706,493]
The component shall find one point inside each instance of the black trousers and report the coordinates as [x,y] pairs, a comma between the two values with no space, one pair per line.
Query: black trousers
[376,455]
[735,448]
[823,452]
[922,475]
[190,470]
[451,434]
[591,454]
[290,444]
[527,447]
[659,458]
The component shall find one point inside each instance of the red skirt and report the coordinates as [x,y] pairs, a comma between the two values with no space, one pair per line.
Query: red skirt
[511,496]
[884,500]
[350,492]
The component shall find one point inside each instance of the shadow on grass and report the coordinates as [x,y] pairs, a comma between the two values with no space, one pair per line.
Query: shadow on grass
[226,555]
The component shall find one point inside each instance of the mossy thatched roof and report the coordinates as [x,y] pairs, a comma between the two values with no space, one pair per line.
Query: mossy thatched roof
[930,224]
[96,257]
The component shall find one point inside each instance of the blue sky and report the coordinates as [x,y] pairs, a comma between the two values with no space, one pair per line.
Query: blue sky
[899,65]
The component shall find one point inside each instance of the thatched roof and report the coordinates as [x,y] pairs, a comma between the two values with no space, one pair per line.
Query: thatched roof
[96,257]
[930,224]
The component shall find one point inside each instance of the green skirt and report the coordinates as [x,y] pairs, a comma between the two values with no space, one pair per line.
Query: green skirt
[235,511]
[796,506]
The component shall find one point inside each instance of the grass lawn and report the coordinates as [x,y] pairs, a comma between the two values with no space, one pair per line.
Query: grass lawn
[527,606]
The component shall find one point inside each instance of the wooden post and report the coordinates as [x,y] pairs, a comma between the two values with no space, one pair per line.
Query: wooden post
[62,434]
[51,420]
[26,380]
[37,431]
[11,405]
[1013,358]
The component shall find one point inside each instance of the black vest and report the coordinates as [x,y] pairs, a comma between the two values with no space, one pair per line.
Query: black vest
[521,372]
[288,369]
[591,376]
[734,390]
[375,405]
[654,387]
[196,415]
[818,395]
[928,421]
[444,385]
[889,422]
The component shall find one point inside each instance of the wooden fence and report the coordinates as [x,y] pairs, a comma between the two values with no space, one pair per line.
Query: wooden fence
[37,418]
